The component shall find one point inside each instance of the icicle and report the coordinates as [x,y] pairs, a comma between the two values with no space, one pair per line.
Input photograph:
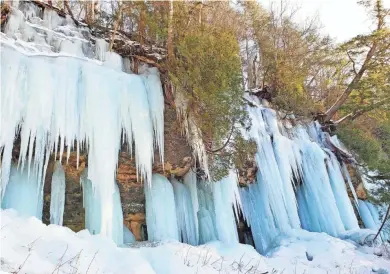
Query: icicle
[225,194]
[57,198]
[101,49]
[351,187]
[192,132]
[23,193]
[206,213]
[160,210]
[340,193]
[93,206]
[156,104]
[317,192]
[190,181]
[268,174]
[258,214]
[184,213]
[366,215]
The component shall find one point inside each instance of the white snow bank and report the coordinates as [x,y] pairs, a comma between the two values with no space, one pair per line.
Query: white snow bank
[33,247]
[28,246]
[327,255]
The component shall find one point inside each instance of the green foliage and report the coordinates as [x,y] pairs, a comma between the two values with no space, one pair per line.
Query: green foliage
[362,144]
[373,152]
[207,69]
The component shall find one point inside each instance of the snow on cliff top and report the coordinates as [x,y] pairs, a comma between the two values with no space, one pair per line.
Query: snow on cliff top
[28,246]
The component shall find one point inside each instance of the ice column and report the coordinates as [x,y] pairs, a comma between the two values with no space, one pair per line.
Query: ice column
[184,213]
[190,181]
[93,207]
[57,198]
[268,176]
[160,210]
[340,193]
[156,104]
[317,193]
[226,204]
[206,213]
[23,193]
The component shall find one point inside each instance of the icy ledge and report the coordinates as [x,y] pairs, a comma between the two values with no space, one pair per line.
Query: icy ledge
[28,246]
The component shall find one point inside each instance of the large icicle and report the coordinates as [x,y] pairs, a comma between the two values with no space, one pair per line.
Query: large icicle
[160,210]
[287,163]
[343,202]
[317,193]
[23,193]
[184,213]
[93,206]
[257,212]
[368,219]
[57,198]
[226,202]
[277,206]
[156,104]
[190,181]
[351,187]
[206,213]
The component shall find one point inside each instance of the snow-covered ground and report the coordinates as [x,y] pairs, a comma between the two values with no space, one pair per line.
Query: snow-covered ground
[28,246]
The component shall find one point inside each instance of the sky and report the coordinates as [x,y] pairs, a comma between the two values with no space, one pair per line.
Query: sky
[341,19]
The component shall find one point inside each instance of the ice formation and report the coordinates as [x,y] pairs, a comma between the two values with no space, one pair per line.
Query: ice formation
[64,101]
[160,210]
[340,193]
[369,215]
[206,213]
[299,182]
[226,205]
[24,192]
[184,213]
[190,180]
[57,198]
[156,101]
[93,206]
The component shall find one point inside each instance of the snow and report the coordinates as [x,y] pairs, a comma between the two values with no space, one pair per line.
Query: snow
[28,246]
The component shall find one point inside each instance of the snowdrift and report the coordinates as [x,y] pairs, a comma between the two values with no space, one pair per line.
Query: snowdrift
[28,246]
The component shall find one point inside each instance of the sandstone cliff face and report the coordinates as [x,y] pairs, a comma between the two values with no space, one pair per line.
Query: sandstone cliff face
[177,160]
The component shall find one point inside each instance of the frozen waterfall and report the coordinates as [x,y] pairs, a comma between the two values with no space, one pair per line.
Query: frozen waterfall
[299,182]
[59,104]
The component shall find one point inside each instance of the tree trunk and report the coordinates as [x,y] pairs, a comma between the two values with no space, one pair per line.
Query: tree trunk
[383,223]
[116,25]
[343,98]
